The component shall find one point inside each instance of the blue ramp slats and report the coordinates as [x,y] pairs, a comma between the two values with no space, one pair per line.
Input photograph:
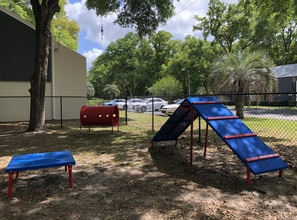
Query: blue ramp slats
[267,165]
[250,147]
[244,147]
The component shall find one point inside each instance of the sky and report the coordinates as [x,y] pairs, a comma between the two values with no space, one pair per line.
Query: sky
[92,43]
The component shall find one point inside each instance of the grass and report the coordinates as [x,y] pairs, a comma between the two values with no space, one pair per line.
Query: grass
[275,131]
[138,132]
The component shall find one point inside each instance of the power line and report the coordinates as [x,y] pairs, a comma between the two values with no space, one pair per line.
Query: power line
[184,8]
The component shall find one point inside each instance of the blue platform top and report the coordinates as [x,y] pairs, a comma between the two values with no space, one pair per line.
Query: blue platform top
[202,99]
[40,160]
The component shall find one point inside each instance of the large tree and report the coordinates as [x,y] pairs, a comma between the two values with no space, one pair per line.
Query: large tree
[239,72]
[266,25]
[277,28]
[144,15]
[132,64]
[43,13]
[191,62]
[228,25]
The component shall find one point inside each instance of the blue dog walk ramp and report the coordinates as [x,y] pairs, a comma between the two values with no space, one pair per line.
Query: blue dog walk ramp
[249,148]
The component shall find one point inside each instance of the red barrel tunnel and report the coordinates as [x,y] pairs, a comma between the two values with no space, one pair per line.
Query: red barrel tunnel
[99,115]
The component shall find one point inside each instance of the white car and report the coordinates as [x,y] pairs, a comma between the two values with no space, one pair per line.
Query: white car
[148,103]
[132,103]
[170,109]
[121,103]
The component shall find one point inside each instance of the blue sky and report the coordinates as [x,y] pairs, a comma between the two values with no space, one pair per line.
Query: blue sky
[92,44]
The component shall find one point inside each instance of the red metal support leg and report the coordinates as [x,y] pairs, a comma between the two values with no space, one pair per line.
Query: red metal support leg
[10,179]
[17,174]
[248,177]
[280,174]
[206,140]
[70,176]
[191,138]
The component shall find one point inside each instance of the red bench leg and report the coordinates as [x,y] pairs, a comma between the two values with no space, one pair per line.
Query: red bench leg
[70,176]
[10,178]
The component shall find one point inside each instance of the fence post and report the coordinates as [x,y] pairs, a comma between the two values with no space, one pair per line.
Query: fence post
[61,111]
[153,115]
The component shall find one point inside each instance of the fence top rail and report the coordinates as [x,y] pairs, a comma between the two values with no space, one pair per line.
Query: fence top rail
[45,96]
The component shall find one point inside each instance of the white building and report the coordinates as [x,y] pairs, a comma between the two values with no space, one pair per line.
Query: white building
[66,73]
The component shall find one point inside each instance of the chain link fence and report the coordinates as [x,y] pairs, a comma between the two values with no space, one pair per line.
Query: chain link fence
[273,116]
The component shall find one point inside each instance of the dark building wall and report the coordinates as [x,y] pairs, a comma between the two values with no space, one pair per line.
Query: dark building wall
[17,50]
[286,85]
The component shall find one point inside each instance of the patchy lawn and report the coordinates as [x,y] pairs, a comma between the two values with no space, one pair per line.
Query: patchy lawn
[117,177]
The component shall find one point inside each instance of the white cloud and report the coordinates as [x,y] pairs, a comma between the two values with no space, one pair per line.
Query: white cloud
[90,26]
[91,55]
[180,25]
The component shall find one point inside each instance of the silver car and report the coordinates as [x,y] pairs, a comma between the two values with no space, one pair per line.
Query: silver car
[132,103]
[148,104]
[121,103]
[170,109]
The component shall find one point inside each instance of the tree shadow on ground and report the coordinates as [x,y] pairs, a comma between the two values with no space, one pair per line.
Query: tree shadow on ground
[220,169]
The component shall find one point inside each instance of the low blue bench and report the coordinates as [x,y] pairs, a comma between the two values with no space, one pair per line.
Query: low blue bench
[35,161]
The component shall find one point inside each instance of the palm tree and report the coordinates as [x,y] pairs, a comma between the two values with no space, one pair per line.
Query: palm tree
[241,72]
[111,90]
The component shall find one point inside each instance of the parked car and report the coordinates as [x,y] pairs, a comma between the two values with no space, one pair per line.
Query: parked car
[147,105]
[132,103]
[170,109]
[121,103]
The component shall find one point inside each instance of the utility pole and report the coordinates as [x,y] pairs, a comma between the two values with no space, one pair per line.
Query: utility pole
[189,82]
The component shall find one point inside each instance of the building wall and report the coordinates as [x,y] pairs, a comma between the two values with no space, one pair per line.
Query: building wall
[67,74]
[287,85]
[17,48]
[69,79]
[15,101]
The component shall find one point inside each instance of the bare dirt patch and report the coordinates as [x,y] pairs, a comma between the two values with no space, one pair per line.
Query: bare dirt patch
[116,177]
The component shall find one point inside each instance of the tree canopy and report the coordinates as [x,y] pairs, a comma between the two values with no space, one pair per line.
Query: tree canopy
[269,26]
[145,16]
[167,86]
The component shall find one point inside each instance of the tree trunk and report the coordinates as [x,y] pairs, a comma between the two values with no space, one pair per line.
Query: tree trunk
[43,13]
[239,106]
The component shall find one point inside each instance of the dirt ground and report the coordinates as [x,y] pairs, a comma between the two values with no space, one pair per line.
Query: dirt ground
[116,178]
